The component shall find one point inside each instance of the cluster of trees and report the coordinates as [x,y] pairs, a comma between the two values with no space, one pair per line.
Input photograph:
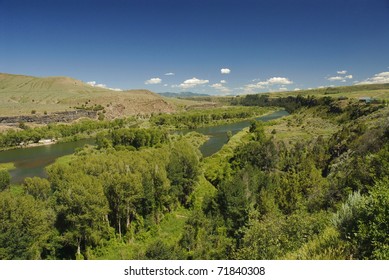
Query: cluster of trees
[293,103]
[100,195]
[13,138]
[320,198]
[193,119]
[132,137]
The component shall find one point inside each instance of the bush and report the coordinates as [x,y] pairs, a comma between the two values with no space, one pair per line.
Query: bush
[5,179]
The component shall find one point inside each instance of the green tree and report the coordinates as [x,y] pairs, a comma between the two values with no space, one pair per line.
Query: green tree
[123,192]
[5,179]
[258,131]
[37,187]
[183,170]
[82,210]
[159,250]
[26,227]
[363,222]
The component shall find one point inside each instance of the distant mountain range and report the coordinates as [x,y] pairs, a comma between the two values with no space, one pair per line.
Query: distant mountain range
[182,94]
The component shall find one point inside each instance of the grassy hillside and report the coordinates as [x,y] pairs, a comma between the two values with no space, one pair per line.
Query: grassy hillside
[378,91]
[20,95]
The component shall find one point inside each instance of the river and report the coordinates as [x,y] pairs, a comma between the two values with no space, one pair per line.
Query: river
[32,161]
[218,134]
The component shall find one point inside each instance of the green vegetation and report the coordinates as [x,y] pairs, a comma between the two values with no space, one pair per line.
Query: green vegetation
[82,129]
[22,95]
[377,91]
[133,137]
[4,179]
[7,166]
[208,117]
[312,185]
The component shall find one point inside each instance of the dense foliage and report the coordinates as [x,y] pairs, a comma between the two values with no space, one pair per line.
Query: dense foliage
[198,118]
[143,194]
[14,138]
[133,137]
[293,103]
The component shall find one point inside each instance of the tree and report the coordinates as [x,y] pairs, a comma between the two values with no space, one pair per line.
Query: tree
[258,154]
[363,221]
[82,210]
[183,170]
[37,187]
[256,128]
[123,192]
[5,179]
[26,226]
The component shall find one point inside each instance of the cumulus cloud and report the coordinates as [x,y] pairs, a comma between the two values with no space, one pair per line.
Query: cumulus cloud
[283,89]
[340,78]
[335,78]
[104,86]
[220,87]
[380,78]
[223,81]
[153,81]
[169,74]
[192,83]
[269,82]
[297,89]
[225,71]
[91,83]
[281,81]
[342,72]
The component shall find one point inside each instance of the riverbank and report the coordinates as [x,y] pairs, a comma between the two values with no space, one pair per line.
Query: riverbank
[7,166]
[210,118]
[33,161]
[48,143]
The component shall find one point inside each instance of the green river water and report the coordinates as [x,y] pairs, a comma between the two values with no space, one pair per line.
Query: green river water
[32,161]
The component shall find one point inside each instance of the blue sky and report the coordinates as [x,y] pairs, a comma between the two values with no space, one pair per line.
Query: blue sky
[183,45]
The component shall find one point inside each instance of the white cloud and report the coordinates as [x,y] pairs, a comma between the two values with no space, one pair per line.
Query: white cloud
[297,89]
[336,78]
[225,71]
[169,74]
[223,81]
[221,87]
[342,79]
[342,72]
[192,83]
[279,81]
[104,86]
[380,78]
[269,82]
[153,81]
[283,89]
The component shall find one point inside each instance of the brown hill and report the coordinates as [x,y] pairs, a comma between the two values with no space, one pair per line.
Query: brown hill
[23,95]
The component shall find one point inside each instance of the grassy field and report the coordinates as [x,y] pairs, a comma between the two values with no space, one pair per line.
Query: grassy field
[377,91]
[302,125]
[21,95]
